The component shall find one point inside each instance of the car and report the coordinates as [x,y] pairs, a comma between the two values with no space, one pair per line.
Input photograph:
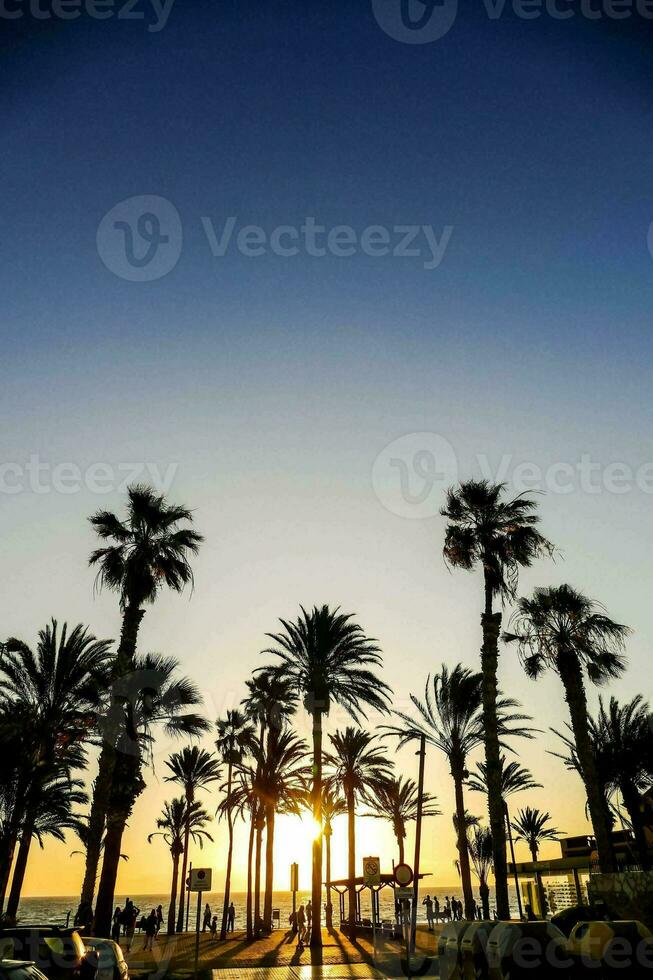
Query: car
[58,953]
[20,970]
[112,964]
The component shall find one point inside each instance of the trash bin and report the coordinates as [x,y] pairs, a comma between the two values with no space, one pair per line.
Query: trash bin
[604,950]
[527,951]
[473,951]
[449,950]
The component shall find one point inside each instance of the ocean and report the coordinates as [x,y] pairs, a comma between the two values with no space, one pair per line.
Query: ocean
[60,909]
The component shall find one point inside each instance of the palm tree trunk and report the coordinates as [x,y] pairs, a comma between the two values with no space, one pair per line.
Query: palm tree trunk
[173,894]
[230,853]
[260,823]
[316,879]
[484,892]
[250,852]
[116,821]
[6,861]
[96,823]
[491,625]
[351,869]
[184,870]
[131,621]
[20,868]
[269,866]
[400,842]
[463,851]
[632,803]
[572,680]
[329,906]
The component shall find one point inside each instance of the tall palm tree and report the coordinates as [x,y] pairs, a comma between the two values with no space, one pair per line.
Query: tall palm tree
[235,737]
[157,697]
[334,805]
[244,803]
[48,813]
[487,530]
[451,720]
[396,801]
[194,769]
[328,659]
[561,629]
[269,702]
[49,700]
[358,762]
[180,821]
[530,825]
[148,550]
[624,737]
[479,845]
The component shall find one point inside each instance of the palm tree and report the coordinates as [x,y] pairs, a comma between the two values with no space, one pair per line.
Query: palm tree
[514,779]
[179,822]
[235,737]
[624,738]
[48,813]
[360,765]
[157,697]
[243,801]
[500,536]
[562,629]
[479,845]
[530,825]
[396,801]
[334,805]
[327,658]
[148,550]
[451,720]
[49,700]
[194,769]
[270,701]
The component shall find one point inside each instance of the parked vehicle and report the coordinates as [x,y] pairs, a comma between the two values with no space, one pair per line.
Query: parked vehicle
[58,953]
[19,970]
[112,964]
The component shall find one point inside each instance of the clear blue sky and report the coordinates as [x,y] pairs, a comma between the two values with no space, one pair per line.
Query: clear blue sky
[272,384]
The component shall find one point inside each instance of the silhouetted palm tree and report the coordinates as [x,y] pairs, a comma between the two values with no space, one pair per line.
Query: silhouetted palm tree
[48,813]
[49,701]
[396,801]
[180,822]
[530,825]
[327,658]
[149,550]
[359,763]
[451,719]
[235,738]
[479,844]
[334,805]
[157,697]
[193,769]
[500,536]
[244,802]
[561,629]
[624,737]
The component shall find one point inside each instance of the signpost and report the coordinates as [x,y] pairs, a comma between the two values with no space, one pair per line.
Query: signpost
[199,880]
[404,878]
[372,877]
[294,887]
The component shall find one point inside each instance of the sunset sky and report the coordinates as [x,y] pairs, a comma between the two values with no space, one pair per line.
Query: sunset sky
[267,389]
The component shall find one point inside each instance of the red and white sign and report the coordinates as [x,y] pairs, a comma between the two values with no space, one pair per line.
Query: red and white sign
[403,875]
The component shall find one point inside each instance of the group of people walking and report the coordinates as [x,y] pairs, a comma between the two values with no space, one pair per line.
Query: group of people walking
[451,911]
[210,921]
[301,923]
[125,921]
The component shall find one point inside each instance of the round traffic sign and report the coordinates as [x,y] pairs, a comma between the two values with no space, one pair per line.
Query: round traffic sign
[403,875]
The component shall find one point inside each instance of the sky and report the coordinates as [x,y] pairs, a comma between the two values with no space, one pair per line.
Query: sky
[302,268]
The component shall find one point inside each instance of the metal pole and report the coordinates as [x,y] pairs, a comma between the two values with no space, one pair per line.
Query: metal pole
[373,922]
[418,838]
[197,932]
[190,868]
[514,863]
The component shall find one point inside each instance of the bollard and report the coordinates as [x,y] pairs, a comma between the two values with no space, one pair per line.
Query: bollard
[527,951]
[449,950]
